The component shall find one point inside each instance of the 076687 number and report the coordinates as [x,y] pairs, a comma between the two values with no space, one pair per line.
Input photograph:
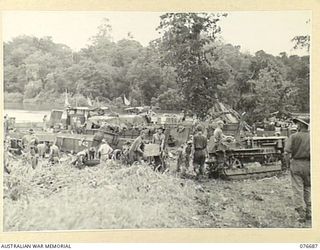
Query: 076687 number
[308,245]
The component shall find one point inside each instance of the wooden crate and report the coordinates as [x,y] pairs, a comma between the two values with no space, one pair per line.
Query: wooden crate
[151,150]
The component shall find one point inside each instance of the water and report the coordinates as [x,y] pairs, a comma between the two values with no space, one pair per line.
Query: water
[27,115]
[32,106]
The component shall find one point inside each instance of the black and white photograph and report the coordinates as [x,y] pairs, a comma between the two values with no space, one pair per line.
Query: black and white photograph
[156,120]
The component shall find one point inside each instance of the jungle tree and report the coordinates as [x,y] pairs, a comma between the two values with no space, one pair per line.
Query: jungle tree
[184,41]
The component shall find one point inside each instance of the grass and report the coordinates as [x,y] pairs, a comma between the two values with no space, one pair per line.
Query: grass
[112,196]
[109,196]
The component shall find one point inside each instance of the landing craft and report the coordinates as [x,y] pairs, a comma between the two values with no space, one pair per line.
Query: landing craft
[248,155]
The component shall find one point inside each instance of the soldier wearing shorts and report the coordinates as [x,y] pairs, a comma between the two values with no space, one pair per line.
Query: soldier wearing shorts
[54,155]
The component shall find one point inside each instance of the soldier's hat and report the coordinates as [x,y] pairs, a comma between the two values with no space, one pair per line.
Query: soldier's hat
[302,121]
[220,122]
[31,131]
[161,128]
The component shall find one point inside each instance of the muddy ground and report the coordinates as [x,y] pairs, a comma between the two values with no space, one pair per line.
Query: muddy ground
[250,203]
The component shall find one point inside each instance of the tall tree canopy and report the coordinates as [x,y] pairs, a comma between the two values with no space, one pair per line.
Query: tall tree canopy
[186,68]
[183,44]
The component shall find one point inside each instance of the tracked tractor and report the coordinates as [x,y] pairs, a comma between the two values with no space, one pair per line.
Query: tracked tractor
[246,156]
[252,157]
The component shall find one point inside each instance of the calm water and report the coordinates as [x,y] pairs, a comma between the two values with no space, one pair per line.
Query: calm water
[27,112]
[31,106]
[27,115]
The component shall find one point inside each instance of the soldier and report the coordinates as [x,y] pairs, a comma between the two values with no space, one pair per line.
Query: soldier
[104,151]
[125,153]
[293,129]
[200,151]
[29,139]
[81,158]
[29,144]
[97,139]
[78,126]
[42,148]
[136,148]
[6,124]
[297,154]
[218,134]
[92,153]
[184,158]
[45,121]
[54,155]
[159,138]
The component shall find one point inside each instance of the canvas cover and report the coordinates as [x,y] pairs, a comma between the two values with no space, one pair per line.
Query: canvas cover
[123,120]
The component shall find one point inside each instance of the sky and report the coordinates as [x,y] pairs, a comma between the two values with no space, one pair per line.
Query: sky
[253,31]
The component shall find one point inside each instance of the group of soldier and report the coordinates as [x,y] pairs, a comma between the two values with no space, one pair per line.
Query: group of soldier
[32,149]
[194,149]
[197,150]
[296,153]
[192,153]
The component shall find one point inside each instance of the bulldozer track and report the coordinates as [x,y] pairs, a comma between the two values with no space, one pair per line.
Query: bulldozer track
[252,175]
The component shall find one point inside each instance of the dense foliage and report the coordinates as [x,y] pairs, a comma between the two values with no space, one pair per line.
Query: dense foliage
[187,68]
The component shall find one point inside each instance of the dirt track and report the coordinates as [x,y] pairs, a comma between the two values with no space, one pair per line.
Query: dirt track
[251,203]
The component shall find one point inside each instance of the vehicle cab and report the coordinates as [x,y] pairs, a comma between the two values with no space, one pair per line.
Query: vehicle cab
[75,114]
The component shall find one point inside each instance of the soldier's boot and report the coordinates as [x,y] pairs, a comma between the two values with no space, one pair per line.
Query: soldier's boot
[308,212]
[202,170]
[301,214]
[199,173]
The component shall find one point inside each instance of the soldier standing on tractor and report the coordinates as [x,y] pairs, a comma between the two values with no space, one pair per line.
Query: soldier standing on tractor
[199,151]
[218,137]
[218,134]
[298,150]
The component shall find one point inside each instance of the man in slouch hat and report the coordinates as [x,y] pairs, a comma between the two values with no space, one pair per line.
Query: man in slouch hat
[297,154]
